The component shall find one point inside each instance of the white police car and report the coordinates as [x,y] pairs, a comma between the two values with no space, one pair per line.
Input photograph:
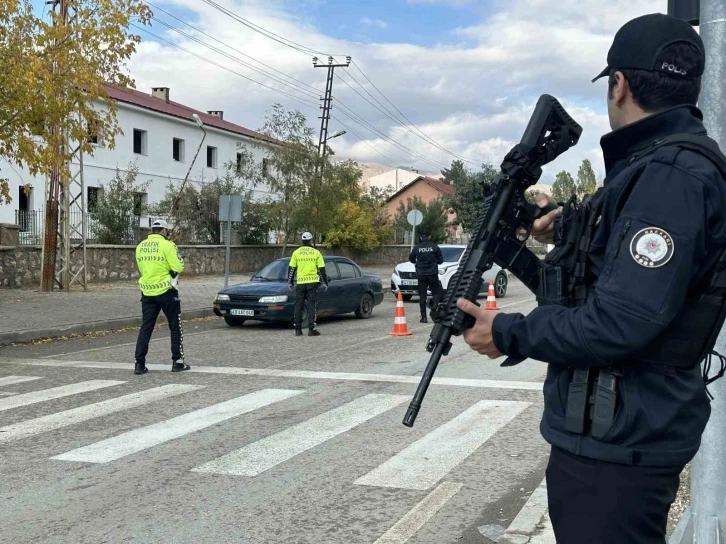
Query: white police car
[404,275]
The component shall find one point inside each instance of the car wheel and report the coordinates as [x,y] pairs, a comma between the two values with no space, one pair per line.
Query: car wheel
[406,298]
[365,308]
[500,285]
[234,321]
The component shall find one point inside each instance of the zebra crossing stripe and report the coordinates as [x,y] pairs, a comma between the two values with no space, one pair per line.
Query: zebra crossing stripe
[280,447]
[12,380]
[429,459]
[67,418]
[54,393]
[171,429]
[417,517]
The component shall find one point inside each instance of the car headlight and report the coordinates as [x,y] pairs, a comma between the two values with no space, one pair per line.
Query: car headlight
[397,271]
[273,300]
[223,298]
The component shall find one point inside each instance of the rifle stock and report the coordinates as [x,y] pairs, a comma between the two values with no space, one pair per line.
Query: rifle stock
[495,239]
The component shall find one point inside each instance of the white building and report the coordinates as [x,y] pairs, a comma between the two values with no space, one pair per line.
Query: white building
[161,138]
[395,179]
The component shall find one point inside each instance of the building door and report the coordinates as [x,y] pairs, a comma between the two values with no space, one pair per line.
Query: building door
[24,213]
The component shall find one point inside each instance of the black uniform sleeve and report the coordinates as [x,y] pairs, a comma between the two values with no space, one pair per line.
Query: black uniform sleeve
[290,274]
[323,275]
[439,255]
[412,255]
[656,246]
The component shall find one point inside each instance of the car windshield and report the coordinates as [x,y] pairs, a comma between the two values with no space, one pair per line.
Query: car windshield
[275,271]
[451,254]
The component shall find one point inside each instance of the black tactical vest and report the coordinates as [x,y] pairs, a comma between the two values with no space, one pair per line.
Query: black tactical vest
[692,334]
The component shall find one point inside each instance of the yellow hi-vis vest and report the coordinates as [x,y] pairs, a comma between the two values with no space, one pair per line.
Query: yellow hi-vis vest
[156,257]
[307,260]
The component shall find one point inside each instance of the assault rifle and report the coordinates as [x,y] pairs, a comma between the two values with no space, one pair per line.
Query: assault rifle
[501,231]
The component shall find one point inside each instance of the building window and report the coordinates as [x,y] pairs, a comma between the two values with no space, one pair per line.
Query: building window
[140,142]
[95,128]
[178,150]
[92,198]
[211,157]
[264,167]
[140,201]
[239,163]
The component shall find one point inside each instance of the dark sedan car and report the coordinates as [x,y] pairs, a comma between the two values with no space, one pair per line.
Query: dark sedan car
[266,296]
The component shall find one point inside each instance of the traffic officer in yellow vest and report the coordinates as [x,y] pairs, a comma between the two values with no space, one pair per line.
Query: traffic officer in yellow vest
[310,267]
[159,265]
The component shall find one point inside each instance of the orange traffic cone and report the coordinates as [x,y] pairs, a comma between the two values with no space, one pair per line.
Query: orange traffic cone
[400,328]
[491,298]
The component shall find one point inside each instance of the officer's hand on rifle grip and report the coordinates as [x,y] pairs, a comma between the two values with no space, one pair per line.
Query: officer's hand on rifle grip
[543,229]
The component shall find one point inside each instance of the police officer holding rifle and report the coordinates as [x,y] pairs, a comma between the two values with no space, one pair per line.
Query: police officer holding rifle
[639,268]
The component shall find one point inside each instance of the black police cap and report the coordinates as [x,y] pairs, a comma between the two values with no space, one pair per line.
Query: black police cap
[639,43]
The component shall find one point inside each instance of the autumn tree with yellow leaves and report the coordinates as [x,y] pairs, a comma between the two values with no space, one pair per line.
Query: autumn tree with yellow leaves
[52,73]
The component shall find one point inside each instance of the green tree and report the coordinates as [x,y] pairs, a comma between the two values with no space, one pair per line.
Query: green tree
[468,197]
[115,217]
[51,74]
[196,216]
[292,166]
[586,181]
[355,228]
[434,218]
[564,187]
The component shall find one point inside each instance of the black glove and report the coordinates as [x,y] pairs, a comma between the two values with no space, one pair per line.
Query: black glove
[520,164]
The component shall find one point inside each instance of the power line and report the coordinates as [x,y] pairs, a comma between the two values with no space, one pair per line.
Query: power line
[385,111]
[410,151]
[369,144]
[235,59]
[309,51]
[409,121]
[230,47]
[268,34]
[302,101]
[344,109]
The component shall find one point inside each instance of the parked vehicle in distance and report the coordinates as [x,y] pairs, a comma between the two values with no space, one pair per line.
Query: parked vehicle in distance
[266,296]
[404,275]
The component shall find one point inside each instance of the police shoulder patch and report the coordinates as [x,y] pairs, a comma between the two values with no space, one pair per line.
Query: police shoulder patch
[652,247]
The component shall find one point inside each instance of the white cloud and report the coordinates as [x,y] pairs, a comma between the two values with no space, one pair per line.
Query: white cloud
[455,3]
[374,22]
[473,98]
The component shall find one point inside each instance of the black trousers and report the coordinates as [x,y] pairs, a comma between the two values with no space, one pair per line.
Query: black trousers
[306,293]
[150,307]
[431,282]
[595,502]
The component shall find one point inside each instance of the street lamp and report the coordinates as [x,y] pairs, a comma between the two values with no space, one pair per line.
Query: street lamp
[199,123]
[339,133]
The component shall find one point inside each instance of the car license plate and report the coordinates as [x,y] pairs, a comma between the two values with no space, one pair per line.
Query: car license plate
[248,313]
[409,282]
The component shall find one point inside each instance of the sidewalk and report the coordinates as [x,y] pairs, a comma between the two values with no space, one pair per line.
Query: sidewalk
[30,314]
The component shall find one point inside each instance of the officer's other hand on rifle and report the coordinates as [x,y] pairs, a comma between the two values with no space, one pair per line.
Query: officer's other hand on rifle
[479,337]
[543,229]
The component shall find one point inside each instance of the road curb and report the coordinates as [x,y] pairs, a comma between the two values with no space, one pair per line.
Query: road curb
[95,326]
[91,326]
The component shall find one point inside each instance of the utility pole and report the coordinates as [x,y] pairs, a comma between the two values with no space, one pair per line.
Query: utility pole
[65,213]
[705,520]
[325,118]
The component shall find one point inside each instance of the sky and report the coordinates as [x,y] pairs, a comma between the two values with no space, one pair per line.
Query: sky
[466,73]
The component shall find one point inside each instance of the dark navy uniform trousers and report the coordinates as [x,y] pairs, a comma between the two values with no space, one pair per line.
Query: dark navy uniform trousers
[596,502]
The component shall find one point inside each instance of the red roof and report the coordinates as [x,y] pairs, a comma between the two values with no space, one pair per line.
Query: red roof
[174,109]
[441,187]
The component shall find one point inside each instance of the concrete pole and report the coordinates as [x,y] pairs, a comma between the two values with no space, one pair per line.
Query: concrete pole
[708,477]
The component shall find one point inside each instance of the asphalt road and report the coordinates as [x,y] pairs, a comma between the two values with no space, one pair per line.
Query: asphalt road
[270,438]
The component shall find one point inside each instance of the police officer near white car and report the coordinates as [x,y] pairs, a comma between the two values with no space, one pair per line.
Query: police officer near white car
[427,257]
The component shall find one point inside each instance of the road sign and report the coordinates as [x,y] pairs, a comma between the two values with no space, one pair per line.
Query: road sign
[230,205]
[414,217]
[230,210]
